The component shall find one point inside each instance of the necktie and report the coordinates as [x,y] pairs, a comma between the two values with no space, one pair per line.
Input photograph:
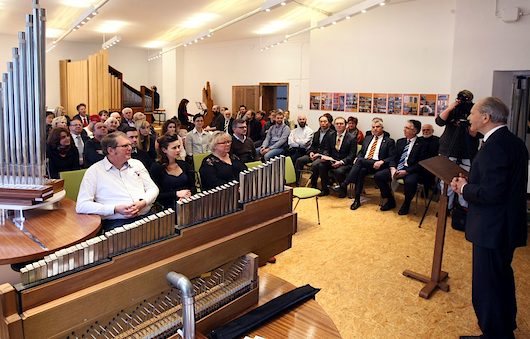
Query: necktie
[80,147]
[401,163]
[372,149]
[339,141]
[226,125]
[85,123]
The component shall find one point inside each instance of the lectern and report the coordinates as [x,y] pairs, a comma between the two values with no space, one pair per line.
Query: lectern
[446,170]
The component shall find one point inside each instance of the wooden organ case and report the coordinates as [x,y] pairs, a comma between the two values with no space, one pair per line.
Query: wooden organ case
[127,295]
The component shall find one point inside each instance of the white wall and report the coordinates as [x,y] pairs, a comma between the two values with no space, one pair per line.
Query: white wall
[484,43]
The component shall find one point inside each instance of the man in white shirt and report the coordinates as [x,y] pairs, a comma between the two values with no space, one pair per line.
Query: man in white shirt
[79,137]
[117,188]
[300,139]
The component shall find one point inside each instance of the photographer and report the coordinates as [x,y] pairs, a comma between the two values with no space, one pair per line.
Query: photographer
[456,142]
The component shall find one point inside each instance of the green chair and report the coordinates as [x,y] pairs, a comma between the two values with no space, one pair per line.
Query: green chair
[253,164]
[300,192]
[72,181]
[197,162]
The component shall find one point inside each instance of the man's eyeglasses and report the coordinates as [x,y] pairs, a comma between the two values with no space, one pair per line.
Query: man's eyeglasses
[241,126]
[124,146]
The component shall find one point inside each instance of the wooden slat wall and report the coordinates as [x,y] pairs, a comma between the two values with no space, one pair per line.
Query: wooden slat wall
[77,85]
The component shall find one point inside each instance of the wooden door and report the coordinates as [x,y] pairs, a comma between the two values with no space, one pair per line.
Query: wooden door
[245,95]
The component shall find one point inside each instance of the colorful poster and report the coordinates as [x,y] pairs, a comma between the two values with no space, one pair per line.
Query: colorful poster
[314,100]
[410,104]
[338,102]
[365,102]
[326,101]
[395,103]
[380,100]
[351,102]
[427,104]
[441,103]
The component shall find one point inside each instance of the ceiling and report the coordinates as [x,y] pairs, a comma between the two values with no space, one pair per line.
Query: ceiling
[157,24]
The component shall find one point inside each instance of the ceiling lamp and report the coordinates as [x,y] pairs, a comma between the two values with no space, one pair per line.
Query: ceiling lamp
[111,42]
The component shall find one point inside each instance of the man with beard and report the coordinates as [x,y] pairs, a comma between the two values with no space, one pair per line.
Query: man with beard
[300,139]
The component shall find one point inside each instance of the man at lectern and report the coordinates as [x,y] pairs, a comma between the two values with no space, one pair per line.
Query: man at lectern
[118,188]
[496,221]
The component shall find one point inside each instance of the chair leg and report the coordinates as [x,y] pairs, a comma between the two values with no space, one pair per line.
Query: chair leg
[318,212]
[297,201]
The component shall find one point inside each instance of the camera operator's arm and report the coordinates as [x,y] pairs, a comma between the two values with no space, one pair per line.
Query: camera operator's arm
[441,119]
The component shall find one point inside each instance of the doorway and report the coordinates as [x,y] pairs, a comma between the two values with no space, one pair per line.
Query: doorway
[274,96]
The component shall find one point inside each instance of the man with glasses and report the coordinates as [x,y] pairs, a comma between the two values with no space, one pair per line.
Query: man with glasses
[117,188]
[242,146]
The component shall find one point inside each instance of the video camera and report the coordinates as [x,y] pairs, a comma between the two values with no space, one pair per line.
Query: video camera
[462,110]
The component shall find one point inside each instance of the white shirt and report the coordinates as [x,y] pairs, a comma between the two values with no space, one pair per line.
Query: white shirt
[491,131]
[197,142]
[376,153]
[104,187]
[412,141]
[78,141]
[300,137]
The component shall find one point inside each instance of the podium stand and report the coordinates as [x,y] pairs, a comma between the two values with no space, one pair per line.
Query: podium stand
[446,170]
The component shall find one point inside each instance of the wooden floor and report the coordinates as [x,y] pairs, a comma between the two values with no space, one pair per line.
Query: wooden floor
[357,258]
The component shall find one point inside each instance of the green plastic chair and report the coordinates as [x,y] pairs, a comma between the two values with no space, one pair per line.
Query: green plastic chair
[72,181]
[253,164]
[197,162]
[300,192]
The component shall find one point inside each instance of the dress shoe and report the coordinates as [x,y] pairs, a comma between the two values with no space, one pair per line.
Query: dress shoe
[404,210]
[470,336]
[324,193]
[272,260]
[390,204]
[342,193]
[356,204]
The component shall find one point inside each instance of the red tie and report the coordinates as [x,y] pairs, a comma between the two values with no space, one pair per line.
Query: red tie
[85,123]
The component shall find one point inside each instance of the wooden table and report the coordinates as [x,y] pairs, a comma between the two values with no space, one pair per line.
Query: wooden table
[308,320]
[57,228]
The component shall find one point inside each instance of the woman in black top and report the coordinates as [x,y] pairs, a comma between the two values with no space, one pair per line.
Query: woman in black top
[174,177]
[183,115]
[220,167]
[146,140]
[62,154]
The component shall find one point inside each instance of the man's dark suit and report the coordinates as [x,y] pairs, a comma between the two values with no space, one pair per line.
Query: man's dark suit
[346,153]
[143,156]
[413,168]
[221,125]
[363,166]
[78,117]
[316,147]
[496,225]
[92,152]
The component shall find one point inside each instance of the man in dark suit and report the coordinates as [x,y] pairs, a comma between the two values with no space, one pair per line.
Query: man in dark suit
[93,151]
[375,155]
[432,144]
[319,146]
[496,221]
[82,114]
[410,150]
[79,137]
[225,124]
[341,152]
[136,153]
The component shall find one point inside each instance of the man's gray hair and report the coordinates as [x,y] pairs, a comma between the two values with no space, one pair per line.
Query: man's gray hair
[109,140]
[495,108]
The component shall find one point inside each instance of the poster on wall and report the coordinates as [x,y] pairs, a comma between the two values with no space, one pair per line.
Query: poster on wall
[314,100]
[410,104]
[326,101]
[395,103]
[338,102]
[351,102]
[380,100]
[441,103]
[365,102]
[427,104]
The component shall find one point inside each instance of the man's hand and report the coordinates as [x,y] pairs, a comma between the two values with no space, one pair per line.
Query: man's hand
[313,156]
[264,151]
[337,164]
[132,210]
[400,174]
[457,183]
[378,164]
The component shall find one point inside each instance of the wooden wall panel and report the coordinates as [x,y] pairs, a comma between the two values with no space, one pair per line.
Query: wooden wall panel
[77,82]
[63,73]
[92,84]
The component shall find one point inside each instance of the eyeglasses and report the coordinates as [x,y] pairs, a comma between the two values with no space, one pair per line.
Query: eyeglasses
[124,146]
[241,126]
[224,142]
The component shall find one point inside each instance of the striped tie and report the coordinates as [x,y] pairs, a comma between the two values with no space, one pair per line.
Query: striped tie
[401,164]
[372,149]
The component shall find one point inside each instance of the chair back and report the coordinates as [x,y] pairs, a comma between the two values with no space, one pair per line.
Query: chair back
[290,175]
[253,164]
[197,162]
[72,181]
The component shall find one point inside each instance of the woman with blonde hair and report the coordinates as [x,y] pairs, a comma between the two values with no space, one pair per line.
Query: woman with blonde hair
[112,124]
[59,121]
[146,140]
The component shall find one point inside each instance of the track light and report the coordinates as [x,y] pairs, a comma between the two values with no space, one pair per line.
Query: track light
[111,42]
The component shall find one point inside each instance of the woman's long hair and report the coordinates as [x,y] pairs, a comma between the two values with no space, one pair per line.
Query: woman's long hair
[163,142]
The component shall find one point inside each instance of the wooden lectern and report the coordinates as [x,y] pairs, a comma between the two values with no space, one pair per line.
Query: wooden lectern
[446,170]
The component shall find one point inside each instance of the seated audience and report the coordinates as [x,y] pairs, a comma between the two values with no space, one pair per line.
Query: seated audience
[174,177]
[330,119]
[60,121]
[217,116]
[172,127]
[112,124]
[127,119]
[225,124]
[242,112]
[82,114]
[253,126]
[62,154]
[356,133]
[146,140]
[220,167]
[49,119]
[410,150]
[319,146]
[79,136]
[376,154]
[242,146]
[138,154]
[93,151]
[198,140]
[117,188]
[368,133]
[90,128]
[275,142]
[299,139]
[432,144]
[341,152]
[103,115]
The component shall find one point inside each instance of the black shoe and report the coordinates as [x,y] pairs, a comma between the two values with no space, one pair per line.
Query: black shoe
[390,204]
[404,210]
[470,336]
[342,193]
[324,193]
[356,204]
